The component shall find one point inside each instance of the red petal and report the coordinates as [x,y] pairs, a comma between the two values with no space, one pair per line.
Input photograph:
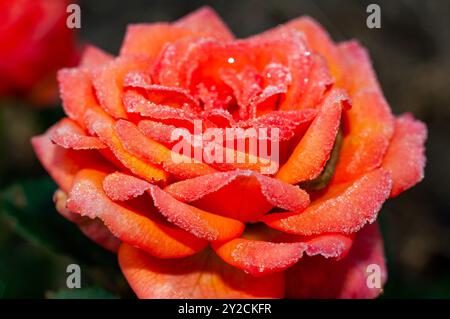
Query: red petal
[206,21]
[356,62]
[149,39]
[343,208]
[93,57]
[310,75]
[369,124]
[157,131]
[317,277]
[159,94]
[289,123]
[196,221]
[68,134]
[136,143]
[92,228]
[136,103]
[122,187]
[201,276]
[405,157]
[108,82]
[319,41]
[100,123]
[259,257]
[136,225]
[313,151]
[76,91]
[62,164]
[228,194]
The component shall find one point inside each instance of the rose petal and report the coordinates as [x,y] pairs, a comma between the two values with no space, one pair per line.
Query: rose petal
[259,257]
[200,276]
[196,221]
[68,134]
[318,40]
[148,39]
[343,208]
[159,94]
[121,187]
[137,144]
[76,91]
[137,225]
[93,57]
[62,164]
[205,21]
[157,131]
[347,278]
[136,103]
[228,193]
[405,157]
[108,82]
[101,124]
[92,228]
[369,124]
[313,151]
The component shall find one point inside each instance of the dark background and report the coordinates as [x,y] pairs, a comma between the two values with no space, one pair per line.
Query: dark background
[411,54]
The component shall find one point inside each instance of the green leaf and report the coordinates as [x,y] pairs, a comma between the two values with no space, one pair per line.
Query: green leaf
[30,209]
[82,293]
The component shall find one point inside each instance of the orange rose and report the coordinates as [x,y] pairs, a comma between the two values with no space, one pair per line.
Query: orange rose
[210,229]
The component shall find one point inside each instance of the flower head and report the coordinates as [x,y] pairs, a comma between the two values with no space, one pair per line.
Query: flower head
[204,227]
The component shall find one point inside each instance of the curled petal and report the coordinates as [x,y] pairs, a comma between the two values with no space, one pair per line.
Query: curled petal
[63,164]
[92,228]
[108,83]
[317,277]
[101,124]
[259,257]
[199,276]
[313,151]
[228,194]
[405,157]
[121,187]
[194,220]
[343,208]
[68,134]
[137,225]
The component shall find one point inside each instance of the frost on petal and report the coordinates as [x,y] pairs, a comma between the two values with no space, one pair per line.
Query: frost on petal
[313,151]
[317,277]
[262,257]
[243,195]
[93,57]
[198,277]
[92,228]
[198,222]
[136,223]
[121,187]
[405,157]
[62,164]
[205,21]
[342,208]
[68,134]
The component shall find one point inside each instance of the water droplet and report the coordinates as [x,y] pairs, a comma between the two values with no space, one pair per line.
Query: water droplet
[231,60]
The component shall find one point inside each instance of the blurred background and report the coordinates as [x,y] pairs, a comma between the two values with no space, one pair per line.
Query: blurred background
[410,52]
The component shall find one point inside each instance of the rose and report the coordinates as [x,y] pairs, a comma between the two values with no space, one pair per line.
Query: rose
[35,43]
[306,231]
